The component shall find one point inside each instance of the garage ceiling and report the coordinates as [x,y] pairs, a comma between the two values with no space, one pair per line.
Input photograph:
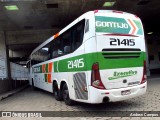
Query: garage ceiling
[49,14]
[43,14]
[52,15]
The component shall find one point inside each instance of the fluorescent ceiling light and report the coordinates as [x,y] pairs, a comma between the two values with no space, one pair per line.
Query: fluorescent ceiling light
[149,33]
[11,7]
[108,4]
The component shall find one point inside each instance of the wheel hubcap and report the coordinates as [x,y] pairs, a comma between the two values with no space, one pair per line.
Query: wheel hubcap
[55,93]
[65,94]
[55,90]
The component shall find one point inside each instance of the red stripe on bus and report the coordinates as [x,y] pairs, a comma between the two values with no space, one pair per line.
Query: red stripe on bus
[50,67]
[134,28]
[56,35]
[49,78]
[43,68]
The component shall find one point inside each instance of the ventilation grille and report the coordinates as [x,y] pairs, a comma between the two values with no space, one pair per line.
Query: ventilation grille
[80,86]
[121,53]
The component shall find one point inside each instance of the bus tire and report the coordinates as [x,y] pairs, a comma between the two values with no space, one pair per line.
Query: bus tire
[65,94]
[56,92]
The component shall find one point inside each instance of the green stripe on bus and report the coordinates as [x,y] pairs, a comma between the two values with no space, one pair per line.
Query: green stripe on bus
[104,63]
[46,68]
[55,66]
[139,25]
[45,77]
[38,69]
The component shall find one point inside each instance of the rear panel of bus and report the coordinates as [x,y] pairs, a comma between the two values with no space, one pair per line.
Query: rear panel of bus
[120,49]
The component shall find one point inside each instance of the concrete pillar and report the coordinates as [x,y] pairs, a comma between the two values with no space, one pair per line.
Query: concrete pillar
[7,58]
[147,59]
[5,81]
[3,64]
[8,63]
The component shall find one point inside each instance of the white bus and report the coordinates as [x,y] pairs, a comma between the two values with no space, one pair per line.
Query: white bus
[99,57]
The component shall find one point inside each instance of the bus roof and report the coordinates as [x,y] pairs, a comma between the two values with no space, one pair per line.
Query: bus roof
[75,21]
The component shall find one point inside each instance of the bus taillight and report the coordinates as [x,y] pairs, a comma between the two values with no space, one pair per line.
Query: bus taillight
[144,77]
[95,11]
[96,78]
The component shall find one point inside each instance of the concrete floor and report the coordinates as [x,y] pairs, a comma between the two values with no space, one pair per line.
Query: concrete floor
[29,100]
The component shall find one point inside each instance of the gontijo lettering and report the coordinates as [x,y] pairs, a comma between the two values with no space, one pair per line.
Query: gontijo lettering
[118,25]
[112,24]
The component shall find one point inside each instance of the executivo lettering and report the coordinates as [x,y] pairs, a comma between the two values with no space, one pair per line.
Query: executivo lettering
[117,75]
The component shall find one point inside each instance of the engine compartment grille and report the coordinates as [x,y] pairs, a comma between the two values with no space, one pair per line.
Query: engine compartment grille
[121,53]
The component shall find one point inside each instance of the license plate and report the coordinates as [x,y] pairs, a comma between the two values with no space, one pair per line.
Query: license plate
[126,92]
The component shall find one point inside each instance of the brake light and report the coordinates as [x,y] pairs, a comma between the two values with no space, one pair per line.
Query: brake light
[95,11]
[96,78]
[144,77]
[136,16]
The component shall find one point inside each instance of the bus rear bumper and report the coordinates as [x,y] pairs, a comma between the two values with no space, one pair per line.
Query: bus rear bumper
[100,96]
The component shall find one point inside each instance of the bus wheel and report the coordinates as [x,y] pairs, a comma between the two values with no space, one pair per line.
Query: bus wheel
[65,94]
[56,92]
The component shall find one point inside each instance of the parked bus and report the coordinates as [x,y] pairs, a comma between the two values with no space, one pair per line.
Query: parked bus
[99,57]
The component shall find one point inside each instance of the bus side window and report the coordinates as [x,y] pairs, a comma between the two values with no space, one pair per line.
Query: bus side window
[33,62]
[35,58]
[57,48]
[74,37]
[44,53]
[41,55]
[77,35]
[67,42]
[67,49]
[28,65]
[87,26]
